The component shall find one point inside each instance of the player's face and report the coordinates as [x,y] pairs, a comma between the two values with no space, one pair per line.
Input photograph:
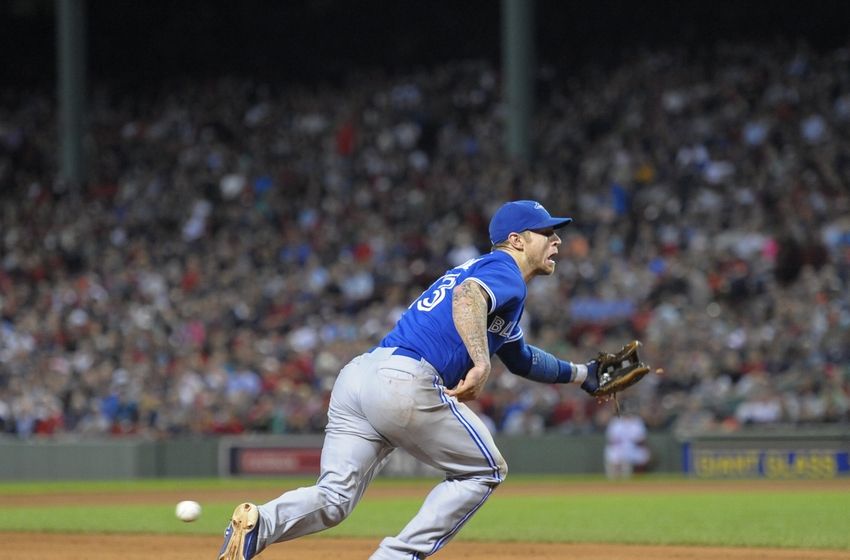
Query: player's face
[541,249]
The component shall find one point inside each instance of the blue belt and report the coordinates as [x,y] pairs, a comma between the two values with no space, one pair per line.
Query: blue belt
[406,353]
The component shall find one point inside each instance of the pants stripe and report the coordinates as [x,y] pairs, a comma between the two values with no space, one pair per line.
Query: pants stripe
[475,437]
[439,544]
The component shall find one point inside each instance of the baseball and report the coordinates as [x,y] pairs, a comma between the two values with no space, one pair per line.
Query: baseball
[187,510]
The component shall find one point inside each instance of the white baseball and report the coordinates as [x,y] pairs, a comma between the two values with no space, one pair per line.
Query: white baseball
[188,510]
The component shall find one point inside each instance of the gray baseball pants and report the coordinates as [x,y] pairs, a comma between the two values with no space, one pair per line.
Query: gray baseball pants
[382,401]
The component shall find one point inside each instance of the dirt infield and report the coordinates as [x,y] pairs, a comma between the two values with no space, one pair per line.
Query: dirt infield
[137,547]
[147,547]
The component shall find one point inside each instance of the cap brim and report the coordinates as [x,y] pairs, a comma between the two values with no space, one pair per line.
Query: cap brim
[555,223]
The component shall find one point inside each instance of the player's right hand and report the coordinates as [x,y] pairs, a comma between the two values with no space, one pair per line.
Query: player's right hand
[471,385]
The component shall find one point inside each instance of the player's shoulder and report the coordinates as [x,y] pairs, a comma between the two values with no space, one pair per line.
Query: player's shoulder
[499,275]
[495,260]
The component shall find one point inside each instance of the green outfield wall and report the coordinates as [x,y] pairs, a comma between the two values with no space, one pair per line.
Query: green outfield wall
[776,453]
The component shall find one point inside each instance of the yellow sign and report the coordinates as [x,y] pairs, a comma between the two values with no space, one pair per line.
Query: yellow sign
[777,464]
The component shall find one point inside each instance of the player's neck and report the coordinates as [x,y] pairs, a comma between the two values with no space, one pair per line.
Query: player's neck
[528,272]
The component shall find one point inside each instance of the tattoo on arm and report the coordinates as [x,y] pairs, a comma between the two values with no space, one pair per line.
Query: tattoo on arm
[469,311]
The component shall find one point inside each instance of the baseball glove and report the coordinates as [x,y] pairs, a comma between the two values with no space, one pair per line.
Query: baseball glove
[616,372]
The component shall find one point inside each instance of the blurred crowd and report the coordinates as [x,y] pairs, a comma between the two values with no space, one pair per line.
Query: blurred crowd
[238,241]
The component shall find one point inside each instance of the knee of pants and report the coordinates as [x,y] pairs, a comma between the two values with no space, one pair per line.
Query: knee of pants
[498,475]
[503,471]
[334,515]
[339,506]
[503,468]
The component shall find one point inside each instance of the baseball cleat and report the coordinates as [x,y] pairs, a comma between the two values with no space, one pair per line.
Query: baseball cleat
[240,537]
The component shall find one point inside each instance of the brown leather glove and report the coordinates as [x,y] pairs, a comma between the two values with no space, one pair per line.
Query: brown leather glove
[619,371]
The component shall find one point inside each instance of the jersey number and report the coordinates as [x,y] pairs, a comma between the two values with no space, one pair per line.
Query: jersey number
[443,285]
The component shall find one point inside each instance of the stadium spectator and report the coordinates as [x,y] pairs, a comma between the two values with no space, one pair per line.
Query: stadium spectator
[227,253]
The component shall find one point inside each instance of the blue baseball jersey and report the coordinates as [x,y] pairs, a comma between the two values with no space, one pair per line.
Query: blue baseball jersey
[427,327]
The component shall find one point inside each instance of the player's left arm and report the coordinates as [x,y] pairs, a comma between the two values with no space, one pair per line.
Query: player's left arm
[470,303]
[538,365]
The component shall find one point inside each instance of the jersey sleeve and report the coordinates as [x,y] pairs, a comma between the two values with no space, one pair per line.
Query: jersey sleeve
[502,283]
[516,336]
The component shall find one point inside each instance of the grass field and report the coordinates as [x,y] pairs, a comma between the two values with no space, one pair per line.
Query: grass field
[658,511]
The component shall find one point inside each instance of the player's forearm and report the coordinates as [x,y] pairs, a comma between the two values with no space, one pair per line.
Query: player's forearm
[469,312]
[538,365]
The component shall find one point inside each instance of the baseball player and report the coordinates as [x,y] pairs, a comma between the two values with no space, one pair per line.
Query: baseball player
[625,445]
[409,392]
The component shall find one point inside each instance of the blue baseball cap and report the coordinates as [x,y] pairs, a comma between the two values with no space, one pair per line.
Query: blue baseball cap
[521,215]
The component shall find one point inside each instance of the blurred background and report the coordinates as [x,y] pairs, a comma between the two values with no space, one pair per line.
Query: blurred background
[208,207]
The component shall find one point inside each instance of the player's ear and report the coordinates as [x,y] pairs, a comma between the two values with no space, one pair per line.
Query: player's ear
[516,240]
